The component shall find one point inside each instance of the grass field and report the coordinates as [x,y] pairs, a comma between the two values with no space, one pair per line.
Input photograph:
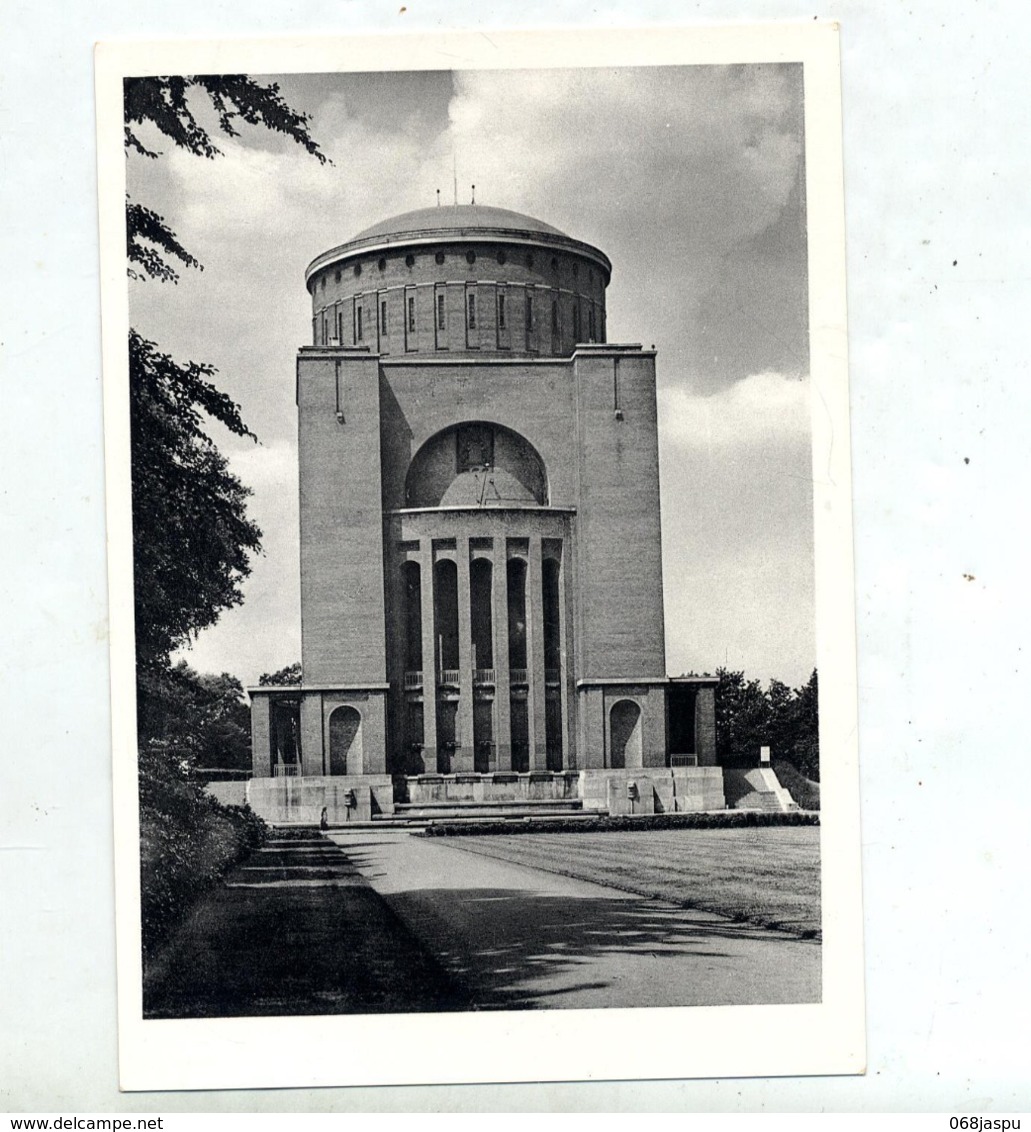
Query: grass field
[765,876]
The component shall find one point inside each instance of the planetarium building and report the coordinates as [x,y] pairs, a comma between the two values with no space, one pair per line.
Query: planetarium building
[481,559]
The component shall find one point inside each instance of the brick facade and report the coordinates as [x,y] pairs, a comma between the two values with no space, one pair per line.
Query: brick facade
[481,559]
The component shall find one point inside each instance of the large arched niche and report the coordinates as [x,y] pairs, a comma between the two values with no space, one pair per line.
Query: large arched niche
[476,464]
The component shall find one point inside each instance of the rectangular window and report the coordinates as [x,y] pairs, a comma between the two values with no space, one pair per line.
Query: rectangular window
[411,312]
[529,313]
[325,332]
[359,324]
[472,310]
[591,323]
[554,316]
[340,329]
[441,323]
[383,317]
[501,310]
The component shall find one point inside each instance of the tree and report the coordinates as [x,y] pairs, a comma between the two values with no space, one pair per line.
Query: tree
[203,720]
[785,720]
[191,534]
[742,719]
[806,748]
[163,102]
[192,540]
[289,675]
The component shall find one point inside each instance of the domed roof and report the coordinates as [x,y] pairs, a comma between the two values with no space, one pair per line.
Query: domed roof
[455,223]
[457,217]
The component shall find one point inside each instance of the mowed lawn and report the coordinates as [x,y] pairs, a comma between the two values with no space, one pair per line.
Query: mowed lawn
[766,876]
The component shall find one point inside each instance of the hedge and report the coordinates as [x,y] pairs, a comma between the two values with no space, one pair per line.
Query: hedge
[730,819]
[188,842]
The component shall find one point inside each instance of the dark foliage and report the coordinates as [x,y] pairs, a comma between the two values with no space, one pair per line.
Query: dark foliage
[291,674]
[191,535]
[730,819]
[201,719]
[803,791]
[188,840]
[785,720]
[192,540]
[164,103]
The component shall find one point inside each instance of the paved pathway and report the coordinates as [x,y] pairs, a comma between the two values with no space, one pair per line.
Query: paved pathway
[294,930]
[516,937]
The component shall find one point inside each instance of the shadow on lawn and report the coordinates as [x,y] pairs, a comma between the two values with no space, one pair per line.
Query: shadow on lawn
[302,933]
[512,948]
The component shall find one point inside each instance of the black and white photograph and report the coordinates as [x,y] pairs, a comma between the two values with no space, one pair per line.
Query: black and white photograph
[470,550]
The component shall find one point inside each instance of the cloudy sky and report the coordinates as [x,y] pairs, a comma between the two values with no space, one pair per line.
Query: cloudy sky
[691,179]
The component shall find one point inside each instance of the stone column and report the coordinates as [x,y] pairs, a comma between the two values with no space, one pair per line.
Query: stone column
[535,657]
[569,760]
[503,684]
[313,753]
[464,761]
[705,725]
[429,659]
[261,736]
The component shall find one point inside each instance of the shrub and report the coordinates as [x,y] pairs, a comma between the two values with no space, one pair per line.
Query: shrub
[804,792]
[729,819]
[188,841]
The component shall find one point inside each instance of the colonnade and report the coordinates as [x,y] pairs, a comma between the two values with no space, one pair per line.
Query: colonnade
[480,653]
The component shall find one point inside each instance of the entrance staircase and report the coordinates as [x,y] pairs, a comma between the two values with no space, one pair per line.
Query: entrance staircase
[513,809]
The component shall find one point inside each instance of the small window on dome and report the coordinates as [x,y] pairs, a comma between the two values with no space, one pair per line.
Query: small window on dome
[382,265]
[470,257]
[338,276]
[439,257]
[410,260]
[502,258]
[357,270]
[529,261]
[554,263]
[323,284]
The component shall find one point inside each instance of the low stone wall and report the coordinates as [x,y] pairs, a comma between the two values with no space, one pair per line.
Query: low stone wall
[229,793]
[537,786]
[300,801]
[656,790]
[756,789]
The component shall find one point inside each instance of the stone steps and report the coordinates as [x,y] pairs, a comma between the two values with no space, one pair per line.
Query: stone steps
[514,808]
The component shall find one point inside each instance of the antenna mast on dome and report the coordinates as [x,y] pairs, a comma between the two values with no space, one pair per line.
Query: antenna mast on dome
[438,198]
[473,201]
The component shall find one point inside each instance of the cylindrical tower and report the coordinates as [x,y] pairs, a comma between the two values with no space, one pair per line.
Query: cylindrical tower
[463,279]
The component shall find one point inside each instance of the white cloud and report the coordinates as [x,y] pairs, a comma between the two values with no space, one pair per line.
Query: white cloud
[764,409]
[674,173]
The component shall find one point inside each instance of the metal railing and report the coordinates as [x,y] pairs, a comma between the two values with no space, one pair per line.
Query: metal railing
[683,760]
[518,676]
[551,676]
[286,770]
[449,676]
[413,679]
[484,676]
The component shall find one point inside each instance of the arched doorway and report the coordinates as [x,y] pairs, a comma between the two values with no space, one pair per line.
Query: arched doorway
[624,735]
[345,741]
